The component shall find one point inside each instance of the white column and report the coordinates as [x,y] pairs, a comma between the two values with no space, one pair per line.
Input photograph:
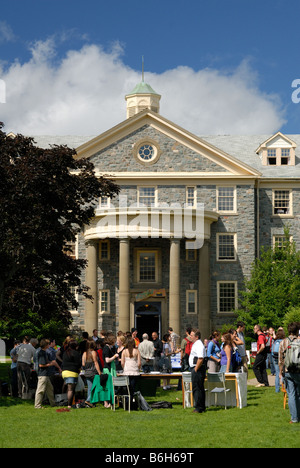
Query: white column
[174,291]
[91,307]
[124,285]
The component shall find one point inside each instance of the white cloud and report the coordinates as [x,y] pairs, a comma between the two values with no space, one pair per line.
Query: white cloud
[6,33]
[84,92]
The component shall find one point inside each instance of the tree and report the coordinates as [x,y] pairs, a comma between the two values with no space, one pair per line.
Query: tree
[46,198]
[274,286]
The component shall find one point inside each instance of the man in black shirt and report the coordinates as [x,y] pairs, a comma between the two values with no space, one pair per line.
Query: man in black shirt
[158,349]
[43,371]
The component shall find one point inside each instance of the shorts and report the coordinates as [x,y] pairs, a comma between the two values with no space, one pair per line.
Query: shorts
[71,380]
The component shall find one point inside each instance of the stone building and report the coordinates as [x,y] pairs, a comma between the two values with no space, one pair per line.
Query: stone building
[173,249]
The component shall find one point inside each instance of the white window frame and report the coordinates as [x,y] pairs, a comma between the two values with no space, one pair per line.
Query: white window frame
[234,210]
[229,312]
[145,187]
[234,246]
[104,202]
[191,201]
[282,215]
[195,292]
[101,292]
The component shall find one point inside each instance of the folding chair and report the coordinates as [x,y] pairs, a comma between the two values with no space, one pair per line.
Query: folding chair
[123,382]
[187,386]
[217,378]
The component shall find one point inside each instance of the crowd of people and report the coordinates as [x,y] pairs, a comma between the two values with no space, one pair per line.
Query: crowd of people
[107,355]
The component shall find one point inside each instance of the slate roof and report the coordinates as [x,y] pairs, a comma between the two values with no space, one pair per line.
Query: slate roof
[241,147]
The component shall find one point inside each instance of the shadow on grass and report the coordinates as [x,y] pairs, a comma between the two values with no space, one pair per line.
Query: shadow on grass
[6,401]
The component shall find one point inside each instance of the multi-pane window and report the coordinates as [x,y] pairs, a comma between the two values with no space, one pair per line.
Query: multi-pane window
[227,296]
[281,202]
[190,196]
[104,250]
[147,266]
[104,202]
[271,154]
[226,198]
[147,196]
[280,239]
[104,301]
[191,254]
[226,249]
[285,156]
[191,302]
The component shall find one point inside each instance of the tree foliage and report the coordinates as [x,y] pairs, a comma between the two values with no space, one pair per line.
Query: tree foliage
[274,286]
[46,198]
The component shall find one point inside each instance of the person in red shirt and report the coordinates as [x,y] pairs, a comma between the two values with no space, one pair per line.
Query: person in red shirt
[259,366]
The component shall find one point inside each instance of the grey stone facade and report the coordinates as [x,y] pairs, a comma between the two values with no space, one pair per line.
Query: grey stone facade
[253,223]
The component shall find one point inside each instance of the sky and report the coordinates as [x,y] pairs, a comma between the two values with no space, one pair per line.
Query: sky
[221,66]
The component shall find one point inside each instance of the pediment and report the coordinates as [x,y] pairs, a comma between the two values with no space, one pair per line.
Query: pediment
[279,140]
[181,151]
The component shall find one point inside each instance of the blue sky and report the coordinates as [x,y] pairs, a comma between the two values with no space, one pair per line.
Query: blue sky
[232,60]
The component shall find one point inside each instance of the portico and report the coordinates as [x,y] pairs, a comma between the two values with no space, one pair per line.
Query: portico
[129,257]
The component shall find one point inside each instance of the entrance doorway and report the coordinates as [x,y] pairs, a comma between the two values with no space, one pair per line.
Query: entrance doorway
[147,318]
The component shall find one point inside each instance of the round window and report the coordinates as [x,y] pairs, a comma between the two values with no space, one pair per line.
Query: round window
[146,152]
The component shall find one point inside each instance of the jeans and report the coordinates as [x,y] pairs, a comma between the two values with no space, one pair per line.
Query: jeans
[270,363]
[277,379]
[292,384]
[198,388]
[89,381]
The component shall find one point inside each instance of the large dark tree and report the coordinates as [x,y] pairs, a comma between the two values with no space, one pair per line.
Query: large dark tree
[46,198]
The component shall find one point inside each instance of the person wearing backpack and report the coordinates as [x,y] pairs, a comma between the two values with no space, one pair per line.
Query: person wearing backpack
[289,366]
[275,355]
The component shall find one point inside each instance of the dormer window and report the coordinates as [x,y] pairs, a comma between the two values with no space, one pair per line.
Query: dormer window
[285,156]
[278,150]
[271,157]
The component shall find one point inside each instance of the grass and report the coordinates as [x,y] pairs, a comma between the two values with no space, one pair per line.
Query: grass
[262,424]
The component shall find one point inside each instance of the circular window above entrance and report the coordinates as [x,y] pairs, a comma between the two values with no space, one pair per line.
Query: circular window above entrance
[146,152]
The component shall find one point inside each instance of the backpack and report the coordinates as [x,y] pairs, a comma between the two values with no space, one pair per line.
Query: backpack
[268,341]
[236,360]
[161,404]
[292,356]
[275,349]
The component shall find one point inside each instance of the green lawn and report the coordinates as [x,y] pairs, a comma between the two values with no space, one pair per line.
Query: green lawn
[263,423]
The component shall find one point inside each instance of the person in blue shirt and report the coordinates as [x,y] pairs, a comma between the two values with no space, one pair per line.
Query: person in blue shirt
[214,353]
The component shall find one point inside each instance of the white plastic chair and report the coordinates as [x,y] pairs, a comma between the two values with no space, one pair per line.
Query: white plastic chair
[187,385]
[121,381]
[217,378]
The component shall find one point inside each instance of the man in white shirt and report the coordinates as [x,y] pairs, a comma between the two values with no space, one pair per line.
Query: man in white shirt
[197,364]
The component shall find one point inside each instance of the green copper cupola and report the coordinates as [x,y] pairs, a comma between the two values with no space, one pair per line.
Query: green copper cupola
[142,97]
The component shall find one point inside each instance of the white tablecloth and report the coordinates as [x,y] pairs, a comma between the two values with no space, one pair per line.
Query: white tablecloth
[241,379]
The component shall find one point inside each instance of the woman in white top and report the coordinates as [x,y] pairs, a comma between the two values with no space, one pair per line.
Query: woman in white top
[131,363]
